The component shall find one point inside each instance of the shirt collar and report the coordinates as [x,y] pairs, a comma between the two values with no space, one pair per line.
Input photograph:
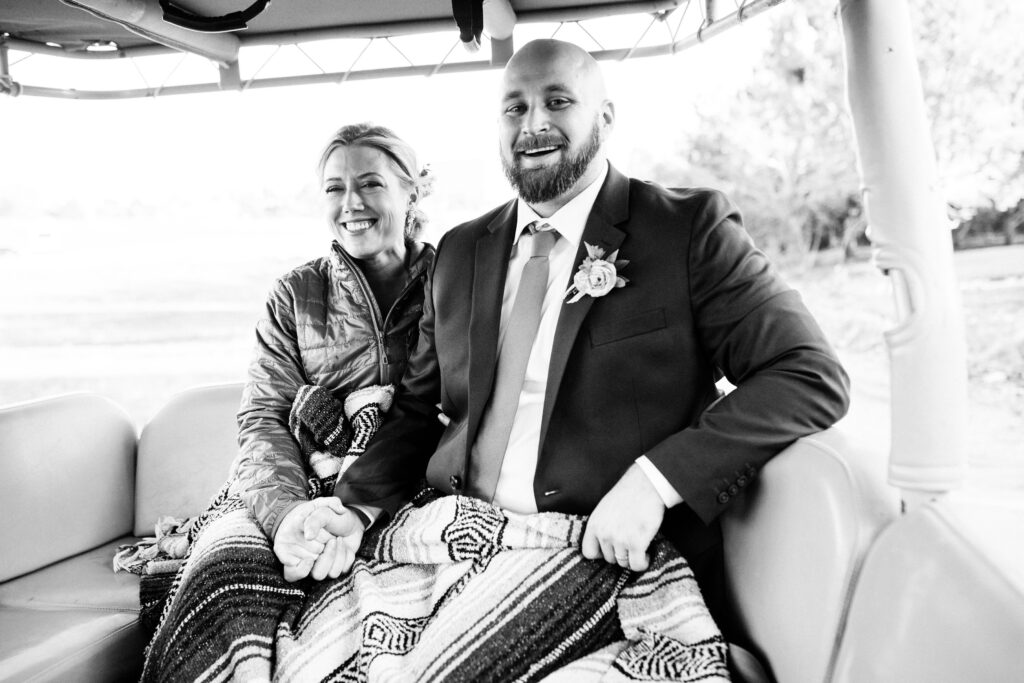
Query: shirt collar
[571,219]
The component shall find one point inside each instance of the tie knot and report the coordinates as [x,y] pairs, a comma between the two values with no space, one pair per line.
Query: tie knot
[544,238]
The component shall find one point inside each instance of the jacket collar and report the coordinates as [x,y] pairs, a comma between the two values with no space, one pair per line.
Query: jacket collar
[493,247]
[420,256]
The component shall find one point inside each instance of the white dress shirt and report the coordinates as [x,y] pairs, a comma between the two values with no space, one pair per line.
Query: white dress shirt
[515,481]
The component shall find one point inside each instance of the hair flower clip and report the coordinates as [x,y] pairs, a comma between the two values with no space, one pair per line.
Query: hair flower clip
[597,275]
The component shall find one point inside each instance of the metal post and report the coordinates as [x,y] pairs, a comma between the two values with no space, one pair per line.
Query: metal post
[910,234]
[8,86]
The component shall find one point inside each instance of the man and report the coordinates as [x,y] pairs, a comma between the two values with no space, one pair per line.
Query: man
[616,414]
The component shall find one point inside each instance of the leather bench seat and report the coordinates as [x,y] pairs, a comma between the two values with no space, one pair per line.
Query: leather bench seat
[69,645]
[82,582]
[67,470]
[74,480]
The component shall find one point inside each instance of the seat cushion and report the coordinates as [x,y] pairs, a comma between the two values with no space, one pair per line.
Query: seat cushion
[83,582]
[185,452]
[67,475]
[66,645]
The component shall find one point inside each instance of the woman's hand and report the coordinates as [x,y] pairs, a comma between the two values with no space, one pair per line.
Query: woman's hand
[318,538]
[297,553]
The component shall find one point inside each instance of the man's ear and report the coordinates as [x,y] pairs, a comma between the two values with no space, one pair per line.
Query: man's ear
[608,113]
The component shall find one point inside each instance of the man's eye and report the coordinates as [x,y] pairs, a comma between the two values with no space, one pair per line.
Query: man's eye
[515,109]
[332,188]
[558,103]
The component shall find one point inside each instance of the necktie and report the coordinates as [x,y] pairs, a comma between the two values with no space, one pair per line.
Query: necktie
[488,451]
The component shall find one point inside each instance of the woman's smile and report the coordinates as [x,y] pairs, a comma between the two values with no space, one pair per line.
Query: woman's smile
[358,226]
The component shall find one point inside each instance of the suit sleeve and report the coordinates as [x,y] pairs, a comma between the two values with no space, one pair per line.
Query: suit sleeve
[788,380]
[394,465]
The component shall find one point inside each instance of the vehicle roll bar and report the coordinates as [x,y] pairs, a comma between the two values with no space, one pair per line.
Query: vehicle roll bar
[910,233]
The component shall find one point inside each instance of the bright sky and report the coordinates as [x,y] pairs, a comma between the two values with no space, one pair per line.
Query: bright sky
[174,148]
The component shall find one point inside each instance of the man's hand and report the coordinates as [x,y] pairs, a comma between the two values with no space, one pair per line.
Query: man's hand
[297,553]
[345,530]
[624,522]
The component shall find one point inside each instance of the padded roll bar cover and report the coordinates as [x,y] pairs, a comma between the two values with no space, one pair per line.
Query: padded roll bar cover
[794,545]
[67,472]
[185,452]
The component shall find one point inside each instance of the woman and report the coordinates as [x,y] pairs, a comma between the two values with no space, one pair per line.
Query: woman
[341,323]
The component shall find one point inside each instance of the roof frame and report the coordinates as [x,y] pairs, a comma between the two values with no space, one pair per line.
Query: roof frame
[678,17]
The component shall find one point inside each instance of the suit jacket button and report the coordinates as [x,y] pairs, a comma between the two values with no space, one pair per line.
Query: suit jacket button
[742,480]
[723,497]
[733,490]
[456,482]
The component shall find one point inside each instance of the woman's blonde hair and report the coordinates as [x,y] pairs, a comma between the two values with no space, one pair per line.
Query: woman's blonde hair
[402,158]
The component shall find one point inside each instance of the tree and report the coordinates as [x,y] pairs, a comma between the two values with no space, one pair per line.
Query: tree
[784,147]
[971,58]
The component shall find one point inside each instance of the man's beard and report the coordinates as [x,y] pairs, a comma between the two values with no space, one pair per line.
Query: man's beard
[537,186]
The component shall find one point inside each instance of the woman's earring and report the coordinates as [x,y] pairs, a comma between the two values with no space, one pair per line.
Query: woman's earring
[410,218]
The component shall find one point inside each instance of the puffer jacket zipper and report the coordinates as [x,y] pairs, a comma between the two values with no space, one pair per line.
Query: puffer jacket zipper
[379,325]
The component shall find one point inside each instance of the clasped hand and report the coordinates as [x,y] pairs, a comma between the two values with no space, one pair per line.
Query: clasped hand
[318,538]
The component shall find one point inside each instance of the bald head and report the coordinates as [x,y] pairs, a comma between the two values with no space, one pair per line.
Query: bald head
[554,119]
[549,56]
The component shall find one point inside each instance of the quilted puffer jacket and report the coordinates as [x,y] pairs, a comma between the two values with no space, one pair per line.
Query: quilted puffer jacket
[322,326]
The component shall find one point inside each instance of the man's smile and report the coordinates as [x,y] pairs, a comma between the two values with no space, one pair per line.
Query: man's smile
[540,151]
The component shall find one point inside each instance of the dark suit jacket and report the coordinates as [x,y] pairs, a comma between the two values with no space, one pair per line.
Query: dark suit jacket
[631,373]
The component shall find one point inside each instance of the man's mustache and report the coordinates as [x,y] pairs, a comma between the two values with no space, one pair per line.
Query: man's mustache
[538,141]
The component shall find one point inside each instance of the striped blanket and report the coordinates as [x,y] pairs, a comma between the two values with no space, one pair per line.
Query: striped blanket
[453,589]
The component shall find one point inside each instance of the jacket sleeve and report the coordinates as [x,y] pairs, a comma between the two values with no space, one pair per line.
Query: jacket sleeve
[389,473]
[788,380]
[269,473]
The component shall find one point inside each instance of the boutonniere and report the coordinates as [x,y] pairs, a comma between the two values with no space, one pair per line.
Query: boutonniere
[597,275]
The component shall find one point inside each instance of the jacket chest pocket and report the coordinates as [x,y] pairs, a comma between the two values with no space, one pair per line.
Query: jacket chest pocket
[630,326]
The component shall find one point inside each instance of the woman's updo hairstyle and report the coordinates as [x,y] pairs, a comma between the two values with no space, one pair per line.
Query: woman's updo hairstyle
[403,162]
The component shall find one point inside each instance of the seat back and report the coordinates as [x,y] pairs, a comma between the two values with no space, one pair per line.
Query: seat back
[67,470]
[794,546]
[185,451]
[941,595]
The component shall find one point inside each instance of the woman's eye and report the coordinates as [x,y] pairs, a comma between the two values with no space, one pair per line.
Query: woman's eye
[372,183]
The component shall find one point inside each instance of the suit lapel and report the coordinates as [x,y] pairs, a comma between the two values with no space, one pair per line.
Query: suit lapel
[490,267]
[610,208]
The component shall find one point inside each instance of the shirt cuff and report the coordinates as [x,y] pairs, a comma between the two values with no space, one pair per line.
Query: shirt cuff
[367,513]
[669,496]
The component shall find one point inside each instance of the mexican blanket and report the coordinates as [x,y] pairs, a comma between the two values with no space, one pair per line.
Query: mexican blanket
[453,589]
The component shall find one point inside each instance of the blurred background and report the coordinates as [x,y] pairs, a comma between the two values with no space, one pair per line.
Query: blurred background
[138,238]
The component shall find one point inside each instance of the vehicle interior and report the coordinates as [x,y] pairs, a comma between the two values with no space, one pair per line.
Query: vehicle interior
[851,558]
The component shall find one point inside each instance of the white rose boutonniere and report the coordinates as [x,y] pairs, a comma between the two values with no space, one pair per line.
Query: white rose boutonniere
[596,275]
